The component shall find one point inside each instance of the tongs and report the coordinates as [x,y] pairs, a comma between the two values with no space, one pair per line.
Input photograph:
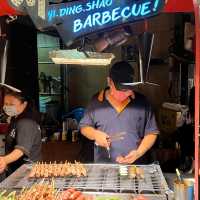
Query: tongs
[28,160]
[115,137]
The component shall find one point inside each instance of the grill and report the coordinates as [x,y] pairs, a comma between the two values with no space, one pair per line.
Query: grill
[101,179]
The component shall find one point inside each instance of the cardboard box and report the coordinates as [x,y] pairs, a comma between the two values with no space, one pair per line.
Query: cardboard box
[168,120]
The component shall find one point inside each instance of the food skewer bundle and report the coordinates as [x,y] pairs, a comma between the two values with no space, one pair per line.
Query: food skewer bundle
[132,171]
[43,191]
[44,170]
[10,196]
[39,191]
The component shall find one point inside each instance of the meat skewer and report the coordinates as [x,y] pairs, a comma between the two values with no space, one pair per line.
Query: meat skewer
[45,170]
[136,172]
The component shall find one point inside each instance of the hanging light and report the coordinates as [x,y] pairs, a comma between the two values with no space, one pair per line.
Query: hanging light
[3,64]
[10,87]
[73,56]
[145,45]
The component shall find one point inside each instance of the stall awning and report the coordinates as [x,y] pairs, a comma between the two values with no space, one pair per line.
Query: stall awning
[173,6]
[7,9]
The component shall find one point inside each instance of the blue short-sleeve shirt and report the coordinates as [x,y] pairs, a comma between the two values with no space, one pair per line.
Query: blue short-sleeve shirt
[136,120]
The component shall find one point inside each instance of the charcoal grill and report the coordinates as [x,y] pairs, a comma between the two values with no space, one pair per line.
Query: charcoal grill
[101,179]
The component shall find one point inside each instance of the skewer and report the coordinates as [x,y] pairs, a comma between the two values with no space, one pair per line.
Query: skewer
[108,150]
[58,170]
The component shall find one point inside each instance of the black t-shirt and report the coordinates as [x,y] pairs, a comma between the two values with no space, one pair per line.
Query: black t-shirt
[24,134]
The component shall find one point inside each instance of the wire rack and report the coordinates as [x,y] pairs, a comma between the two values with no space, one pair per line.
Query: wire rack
[101,178]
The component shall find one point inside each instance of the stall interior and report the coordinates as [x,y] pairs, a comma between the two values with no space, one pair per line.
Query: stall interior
[64,91]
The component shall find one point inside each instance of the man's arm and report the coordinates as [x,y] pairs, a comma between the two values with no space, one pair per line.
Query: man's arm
[100,137]
[11,157]
[89,132]
[144,146]
[147,142]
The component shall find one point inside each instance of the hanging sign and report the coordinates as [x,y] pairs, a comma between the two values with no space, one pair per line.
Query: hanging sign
[79,18]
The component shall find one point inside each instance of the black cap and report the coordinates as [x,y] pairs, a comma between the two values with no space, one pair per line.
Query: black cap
[122,73]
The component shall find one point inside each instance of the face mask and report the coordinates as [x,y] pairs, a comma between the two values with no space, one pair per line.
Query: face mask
[10,110]
[121,95]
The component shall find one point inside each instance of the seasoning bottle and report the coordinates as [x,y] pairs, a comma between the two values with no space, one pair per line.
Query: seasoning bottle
[74,135]
[64,132]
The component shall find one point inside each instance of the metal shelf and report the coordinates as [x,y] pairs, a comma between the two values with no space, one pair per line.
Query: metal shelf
[46,62]
[50,94]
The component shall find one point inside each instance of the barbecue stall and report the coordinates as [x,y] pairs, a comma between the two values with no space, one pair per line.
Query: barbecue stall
[103,180]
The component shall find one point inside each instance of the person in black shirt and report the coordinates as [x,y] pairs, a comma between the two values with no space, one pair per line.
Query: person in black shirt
[23,141]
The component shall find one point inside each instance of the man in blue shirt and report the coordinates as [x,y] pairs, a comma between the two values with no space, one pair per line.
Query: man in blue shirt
[119,109]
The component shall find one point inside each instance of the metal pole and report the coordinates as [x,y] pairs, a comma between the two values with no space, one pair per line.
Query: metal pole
[197,79]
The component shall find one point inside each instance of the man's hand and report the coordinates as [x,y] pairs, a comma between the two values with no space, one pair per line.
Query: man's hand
[144,146]
[3,164]
[129,159]
[102,139]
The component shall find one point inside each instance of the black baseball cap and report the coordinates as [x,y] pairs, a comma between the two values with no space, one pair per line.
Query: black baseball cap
[122,74]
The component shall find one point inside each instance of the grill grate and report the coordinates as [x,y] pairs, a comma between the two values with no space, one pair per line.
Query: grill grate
[100,178]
